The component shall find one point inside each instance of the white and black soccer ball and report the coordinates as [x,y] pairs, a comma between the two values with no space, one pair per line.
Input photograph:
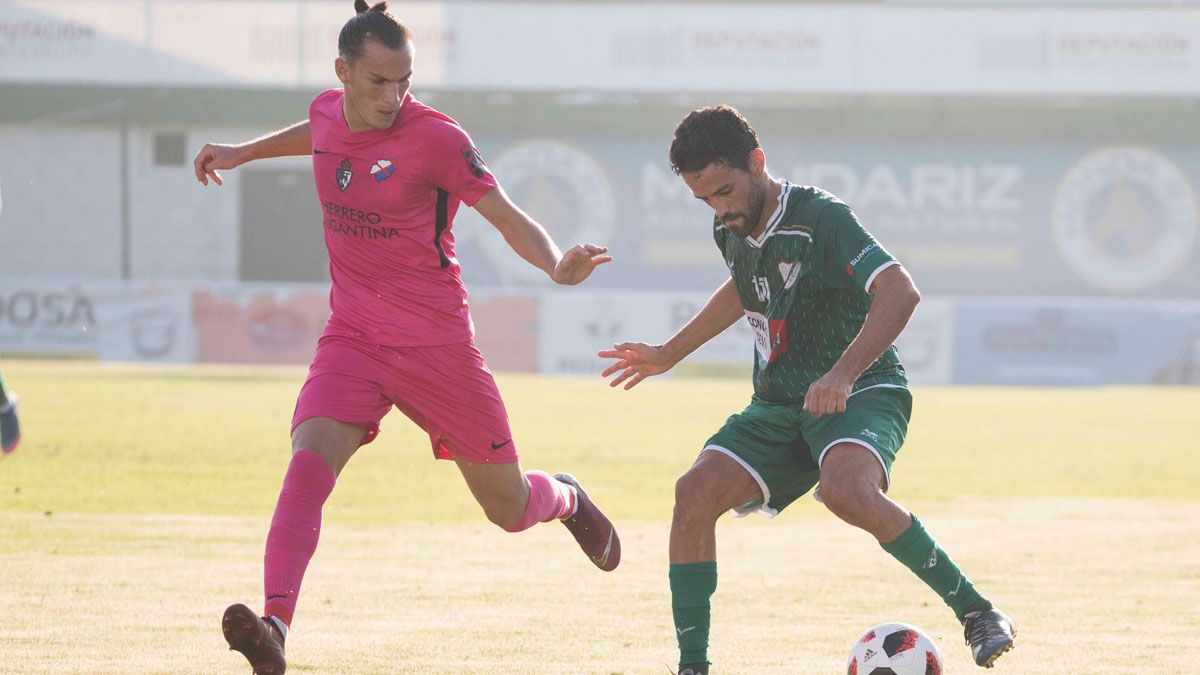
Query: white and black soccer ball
[894,649]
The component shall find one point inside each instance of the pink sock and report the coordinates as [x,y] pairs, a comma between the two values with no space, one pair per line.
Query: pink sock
[295,529]
[549,499]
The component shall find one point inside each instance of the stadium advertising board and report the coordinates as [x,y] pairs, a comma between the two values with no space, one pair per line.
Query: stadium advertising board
[965,217]
[506,330]
[733,348]
[1069,342]
[253,323]
[960,340]
[146,322]
[927,344]
[216,323]
[637,47]
[978,341]
[575,324]
[106,320]
[48,318]
[281,323]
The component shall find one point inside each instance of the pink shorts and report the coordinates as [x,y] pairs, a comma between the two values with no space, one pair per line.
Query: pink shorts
[446,390]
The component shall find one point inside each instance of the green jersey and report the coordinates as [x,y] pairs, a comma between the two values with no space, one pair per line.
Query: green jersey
[802,284]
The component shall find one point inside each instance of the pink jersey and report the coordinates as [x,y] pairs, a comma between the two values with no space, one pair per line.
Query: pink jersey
[388,200]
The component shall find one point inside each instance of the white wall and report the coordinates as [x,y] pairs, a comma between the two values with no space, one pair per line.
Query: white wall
[180,228]
[60,207]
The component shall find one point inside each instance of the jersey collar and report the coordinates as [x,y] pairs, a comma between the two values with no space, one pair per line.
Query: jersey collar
[784,188]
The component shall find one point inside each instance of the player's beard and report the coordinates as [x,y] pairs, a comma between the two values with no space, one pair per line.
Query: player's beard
[755,201]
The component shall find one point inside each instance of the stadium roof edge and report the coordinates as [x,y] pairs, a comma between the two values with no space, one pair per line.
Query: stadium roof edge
[861,116]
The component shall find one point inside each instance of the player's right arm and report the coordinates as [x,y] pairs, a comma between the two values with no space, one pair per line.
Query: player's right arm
[287,142]
[635,361]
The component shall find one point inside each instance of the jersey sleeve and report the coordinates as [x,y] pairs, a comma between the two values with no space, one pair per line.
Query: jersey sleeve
[720,234]
[453,163]
[318,114]
[853,250]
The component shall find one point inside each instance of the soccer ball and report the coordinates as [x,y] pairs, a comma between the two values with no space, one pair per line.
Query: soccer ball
[894,649]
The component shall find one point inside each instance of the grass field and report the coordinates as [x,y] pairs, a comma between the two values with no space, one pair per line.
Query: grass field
[136,507]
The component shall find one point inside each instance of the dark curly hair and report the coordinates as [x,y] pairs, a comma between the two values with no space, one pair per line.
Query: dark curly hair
[371,23]
[717,133]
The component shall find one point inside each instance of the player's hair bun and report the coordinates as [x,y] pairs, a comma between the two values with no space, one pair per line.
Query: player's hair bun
[370,23]
[361,6]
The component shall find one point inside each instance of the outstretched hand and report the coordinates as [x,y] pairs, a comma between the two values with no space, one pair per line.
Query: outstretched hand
[635,362]
[578,262]
[214,156]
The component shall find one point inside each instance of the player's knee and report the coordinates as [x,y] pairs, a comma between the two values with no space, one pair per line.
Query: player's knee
[333,458]
[507,520]
[845,498]
[694,496]
[507,514]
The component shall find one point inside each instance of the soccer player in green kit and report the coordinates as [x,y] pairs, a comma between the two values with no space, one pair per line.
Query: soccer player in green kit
[10,428]
[831,403]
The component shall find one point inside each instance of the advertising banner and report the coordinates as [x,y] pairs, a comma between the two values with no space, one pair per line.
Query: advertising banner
[968,217]
[950,340]
[577,324]
[927,344]
[506,330]
[146,322]
[281,323]
[49,318]
[142,321]
[252,323]
[1068,342]
[852,48]
[574,325]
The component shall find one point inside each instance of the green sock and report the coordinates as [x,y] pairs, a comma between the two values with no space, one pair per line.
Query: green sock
[917,551]
[692,586]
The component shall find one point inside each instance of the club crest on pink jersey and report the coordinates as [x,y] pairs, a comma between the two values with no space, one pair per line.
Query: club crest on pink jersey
[382,170]
[474,160]
[344,174]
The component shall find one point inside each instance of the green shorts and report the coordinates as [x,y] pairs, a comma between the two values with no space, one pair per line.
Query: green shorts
[782,446]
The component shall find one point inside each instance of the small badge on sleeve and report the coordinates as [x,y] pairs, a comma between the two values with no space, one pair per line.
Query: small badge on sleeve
[474,160]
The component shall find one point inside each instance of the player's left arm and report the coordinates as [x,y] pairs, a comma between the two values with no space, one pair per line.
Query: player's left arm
[531,241]
[294,140]
[894,296]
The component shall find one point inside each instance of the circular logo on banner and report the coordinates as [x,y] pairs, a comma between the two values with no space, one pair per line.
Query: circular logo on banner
[560,186]
[154,332]
[1124,218]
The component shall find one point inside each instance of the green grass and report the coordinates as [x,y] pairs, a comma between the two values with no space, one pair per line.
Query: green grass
[136,507]
[112,439]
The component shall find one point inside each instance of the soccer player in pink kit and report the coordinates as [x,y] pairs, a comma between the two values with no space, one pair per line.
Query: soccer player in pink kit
[390,174]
